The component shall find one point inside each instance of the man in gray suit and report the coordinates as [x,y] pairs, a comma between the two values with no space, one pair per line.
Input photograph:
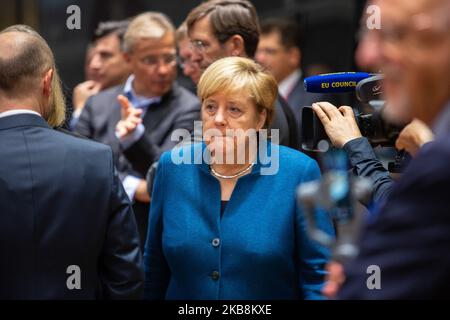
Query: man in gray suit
[150,92]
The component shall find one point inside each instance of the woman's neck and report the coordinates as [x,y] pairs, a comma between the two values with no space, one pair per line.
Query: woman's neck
[235,168]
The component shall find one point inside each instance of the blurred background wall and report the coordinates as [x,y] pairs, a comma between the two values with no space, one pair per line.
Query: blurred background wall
[329,26]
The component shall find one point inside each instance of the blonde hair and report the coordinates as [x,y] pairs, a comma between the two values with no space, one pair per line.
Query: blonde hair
[57,114]
[237,74]
[146,25]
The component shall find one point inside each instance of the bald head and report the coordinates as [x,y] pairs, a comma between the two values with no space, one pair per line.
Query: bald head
[28,76]
[24,57]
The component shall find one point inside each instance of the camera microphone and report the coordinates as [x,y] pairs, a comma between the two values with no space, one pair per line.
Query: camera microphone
[335,82]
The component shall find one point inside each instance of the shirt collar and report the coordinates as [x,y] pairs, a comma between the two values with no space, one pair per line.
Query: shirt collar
[136,100]
[285,87]
[18,111]
[441,125]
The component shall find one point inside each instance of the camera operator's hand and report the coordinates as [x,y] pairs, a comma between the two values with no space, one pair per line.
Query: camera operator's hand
[413,136]
[339,123]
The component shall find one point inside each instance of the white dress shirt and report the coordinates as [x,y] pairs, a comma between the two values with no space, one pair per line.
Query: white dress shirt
[287,85]
[18,111]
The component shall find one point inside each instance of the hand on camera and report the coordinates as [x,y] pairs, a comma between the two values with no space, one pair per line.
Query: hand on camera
[339,123]
[413,136]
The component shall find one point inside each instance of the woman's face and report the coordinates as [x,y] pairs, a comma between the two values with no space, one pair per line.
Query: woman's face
[230,122]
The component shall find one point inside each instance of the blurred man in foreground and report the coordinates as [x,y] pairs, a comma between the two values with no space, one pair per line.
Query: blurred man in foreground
[409,239]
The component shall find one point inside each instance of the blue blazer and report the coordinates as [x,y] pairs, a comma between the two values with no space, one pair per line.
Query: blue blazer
[257,250]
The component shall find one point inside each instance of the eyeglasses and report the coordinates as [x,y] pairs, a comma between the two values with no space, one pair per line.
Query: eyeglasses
[154,61]
[199,45]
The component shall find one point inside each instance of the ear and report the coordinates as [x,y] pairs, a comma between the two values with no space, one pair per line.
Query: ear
[262,119]
[47,83]
[235,46]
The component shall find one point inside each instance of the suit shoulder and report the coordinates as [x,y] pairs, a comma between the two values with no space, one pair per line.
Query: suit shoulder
[113,91]
[106,97]
[293,159]
[75,141]
[187,153]
[290,154]
[434,156]
[185,96]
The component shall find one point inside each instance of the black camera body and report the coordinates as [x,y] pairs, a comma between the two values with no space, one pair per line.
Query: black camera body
[372,125]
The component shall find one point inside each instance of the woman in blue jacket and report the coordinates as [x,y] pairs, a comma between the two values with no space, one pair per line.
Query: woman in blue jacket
[224,224]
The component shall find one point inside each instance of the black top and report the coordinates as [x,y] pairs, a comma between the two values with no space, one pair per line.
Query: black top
[223,205]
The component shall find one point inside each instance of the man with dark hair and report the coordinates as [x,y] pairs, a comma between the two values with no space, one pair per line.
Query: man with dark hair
[109,27]
[279,50]
[105,66]
[222,28]
[67,230]
[279,47]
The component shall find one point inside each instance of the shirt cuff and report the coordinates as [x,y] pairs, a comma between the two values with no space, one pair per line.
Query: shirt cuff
[358,150]
[75,117]
[128,140]
[130,184]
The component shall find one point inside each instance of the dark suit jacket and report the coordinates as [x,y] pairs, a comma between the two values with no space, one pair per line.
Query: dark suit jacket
[410,238]
[284,121]
[63,205]
[177,110]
